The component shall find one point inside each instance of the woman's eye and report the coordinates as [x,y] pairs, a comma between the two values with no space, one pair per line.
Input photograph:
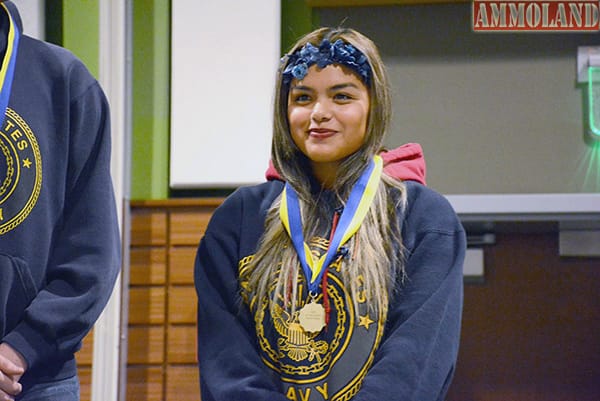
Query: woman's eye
[342,96]
[301,98]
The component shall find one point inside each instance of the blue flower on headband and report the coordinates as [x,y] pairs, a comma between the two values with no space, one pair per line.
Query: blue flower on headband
[327,53]
[299,70]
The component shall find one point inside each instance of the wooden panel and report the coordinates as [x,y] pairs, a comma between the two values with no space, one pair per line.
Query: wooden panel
[181,264]
[187,227]
[85,355]
[181,344]
[163,304]
[146,345]
[85,383]
[148,227]
[183,383]
[145,383]
[147,265]
[183,305]
[147,305]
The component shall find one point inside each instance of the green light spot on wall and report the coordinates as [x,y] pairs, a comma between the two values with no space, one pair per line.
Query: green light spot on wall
[589,168]
[594,101]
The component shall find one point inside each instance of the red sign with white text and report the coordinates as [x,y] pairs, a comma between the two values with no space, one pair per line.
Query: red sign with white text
[536,16]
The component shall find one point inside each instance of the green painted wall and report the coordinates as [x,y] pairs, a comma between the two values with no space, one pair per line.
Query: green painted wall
[297,19]
[151,99]
[81,31]
[74,24]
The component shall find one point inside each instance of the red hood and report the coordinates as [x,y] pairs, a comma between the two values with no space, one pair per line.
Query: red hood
[403,163]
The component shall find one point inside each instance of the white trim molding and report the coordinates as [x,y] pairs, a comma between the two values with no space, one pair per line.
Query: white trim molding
[583,207]
[113,67]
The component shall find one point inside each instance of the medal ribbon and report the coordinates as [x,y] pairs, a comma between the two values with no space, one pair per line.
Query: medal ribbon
[8,64]
[356,209]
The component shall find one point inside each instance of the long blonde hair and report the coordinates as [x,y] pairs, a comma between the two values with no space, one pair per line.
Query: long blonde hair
[376,262]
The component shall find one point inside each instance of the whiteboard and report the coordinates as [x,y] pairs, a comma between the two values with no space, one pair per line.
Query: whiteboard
[224,56]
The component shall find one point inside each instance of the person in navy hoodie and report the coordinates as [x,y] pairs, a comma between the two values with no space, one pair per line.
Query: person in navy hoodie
[340,278]
[59,238]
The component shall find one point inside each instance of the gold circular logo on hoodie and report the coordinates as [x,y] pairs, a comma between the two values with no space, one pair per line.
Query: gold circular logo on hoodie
[20,171]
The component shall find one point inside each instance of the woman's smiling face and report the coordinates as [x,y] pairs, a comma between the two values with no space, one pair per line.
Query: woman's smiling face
[328,113]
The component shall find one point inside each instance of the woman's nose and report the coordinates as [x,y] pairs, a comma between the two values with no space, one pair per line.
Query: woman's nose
[321,112]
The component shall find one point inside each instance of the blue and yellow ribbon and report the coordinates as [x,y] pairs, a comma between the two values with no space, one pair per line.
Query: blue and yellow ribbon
[8,64]
[357,206]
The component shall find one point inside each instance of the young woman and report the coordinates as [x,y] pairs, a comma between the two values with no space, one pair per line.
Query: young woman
[340,278]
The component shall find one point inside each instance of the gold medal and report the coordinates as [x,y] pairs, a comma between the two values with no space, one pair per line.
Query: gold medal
[312,317]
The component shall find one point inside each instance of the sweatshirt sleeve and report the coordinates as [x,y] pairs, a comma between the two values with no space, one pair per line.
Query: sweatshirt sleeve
[229,362]
[417,357]
[85,250]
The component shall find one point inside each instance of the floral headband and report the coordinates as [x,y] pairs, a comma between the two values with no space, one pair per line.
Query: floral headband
[327,53]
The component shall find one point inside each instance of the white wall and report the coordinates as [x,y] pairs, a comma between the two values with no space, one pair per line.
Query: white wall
[32,14]
[224,58]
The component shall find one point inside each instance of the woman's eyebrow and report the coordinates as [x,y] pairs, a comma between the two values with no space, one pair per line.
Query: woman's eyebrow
[301,88]
[343,86]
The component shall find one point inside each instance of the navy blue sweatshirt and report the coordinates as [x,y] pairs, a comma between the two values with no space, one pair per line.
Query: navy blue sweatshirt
[59,239]
[247,353]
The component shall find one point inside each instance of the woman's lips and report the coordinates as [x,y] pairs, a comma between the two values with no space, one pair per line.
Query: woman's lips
[321,132]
